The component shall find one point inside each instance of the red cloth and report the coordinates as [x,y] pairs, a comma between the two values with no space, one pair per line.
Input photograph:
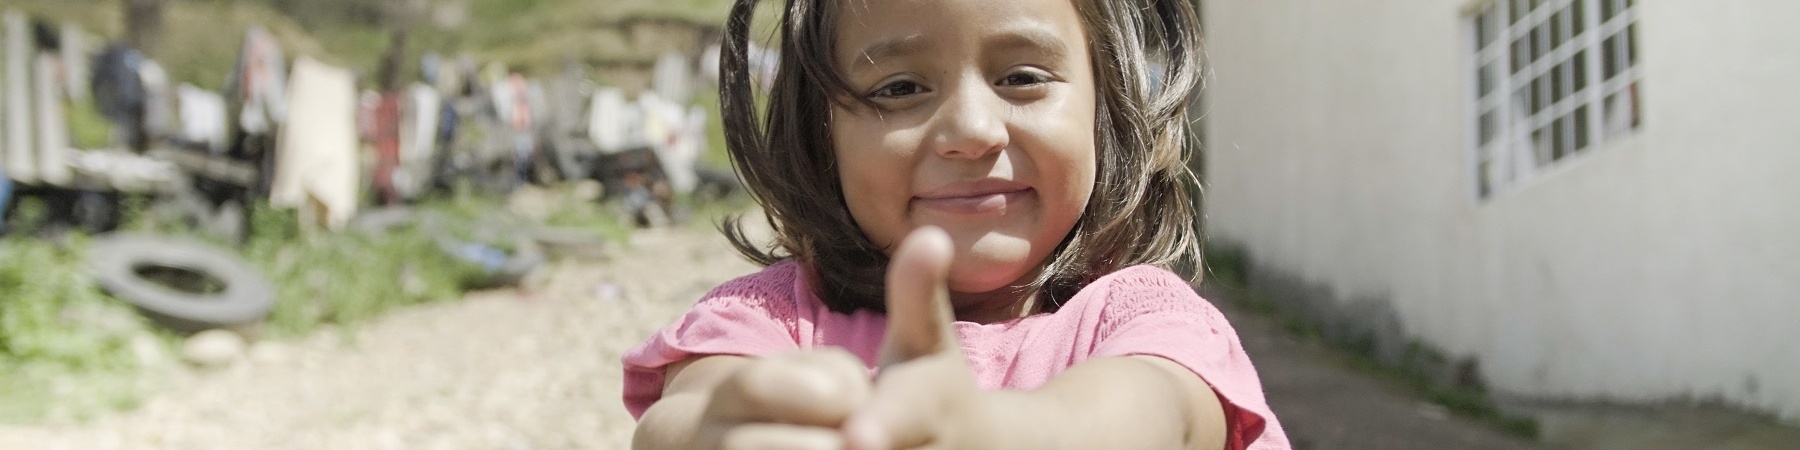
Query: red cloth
[387,146]
[1141,310]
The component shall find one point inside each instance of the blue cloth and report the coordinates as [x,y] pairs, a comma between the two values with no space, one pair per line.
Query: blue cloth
[5,197]
[490,258]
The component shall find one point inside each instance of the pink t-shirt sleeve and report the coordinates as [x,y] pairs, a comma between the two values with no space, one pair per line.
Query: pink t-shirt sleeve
[1154,312]
[749,316]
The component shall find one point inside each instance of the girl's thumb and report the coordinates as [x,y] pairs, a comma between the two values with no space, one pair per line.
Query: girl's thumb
[918,298]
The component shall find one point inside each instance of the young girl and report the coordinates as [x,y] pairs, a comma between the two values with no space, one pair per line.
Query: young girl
[974,203]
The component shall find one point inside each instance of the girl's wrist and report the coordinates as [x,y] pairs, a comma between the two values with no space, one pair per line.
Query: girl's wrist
[1018,420]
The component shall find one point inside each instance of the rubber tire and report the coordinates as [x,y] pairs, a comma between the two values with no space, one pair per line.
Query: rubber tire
[526,256]
[572,242]
[247,297]
[378,222]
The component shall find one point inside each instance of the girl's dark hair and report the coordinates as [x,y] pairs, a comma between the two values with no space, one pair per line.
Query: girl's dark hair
[1147,68]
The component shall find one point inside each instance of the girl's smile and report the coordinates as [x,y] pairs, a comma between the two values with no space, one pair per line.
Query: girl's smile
[975,116]
[978,197]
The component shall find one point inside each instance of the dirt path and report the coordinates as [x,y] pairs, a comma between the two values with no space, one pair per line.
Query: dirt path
[1326,404]
[513,370]
[506,370]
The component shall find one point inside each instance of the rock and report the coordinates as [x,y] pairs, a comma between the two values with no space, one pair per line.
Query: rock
[213,348]
[148,351]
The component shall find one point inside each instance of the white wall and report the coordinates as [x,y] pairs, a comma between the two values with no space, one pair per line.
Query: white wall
[1664,265]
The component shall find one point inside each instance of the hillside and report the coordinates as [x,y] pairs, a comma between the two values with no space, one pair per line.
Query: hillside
[201,37]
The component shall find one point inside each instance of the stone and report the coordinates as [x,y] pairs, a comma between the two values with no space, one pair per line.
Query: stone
[213,348]
[147,351]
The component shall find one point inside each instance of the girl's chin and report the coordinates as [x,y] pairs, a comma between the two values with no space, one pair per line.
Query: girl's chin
[988,258]
[976,274]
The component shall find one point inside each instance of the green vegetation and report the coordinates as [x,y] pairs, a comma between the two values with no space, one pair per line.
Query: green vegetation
[87,129]
[64,345]
[347,278]
[715,155]
[201,38]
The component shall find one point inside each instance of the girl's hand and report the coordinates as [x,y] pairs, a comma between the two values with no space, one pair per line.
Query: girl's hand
[925,394]
[792,401]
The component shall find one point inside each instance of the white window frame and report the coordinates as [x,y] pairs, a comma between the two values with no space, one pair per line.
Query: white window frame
[1514,136]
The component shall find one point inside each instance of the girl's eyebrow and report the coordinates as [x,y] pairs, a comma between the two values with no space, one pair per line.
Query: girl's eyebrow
[886,48]
[1025,38]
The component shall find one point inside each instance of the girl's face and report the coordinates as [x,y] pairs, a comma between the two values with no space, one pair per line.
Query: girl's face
[985,129]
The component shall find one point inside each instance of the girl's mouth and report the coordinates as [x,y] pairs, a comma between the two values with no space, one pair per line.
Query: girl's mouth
[980,197]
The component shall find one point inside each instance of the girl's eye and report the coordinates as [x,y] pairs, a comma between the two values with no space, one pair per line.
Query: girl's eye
[1024,79]
[897,89]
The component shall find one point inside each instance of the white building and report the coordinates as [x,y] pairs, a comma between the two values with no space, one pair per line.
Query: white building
[1596,199]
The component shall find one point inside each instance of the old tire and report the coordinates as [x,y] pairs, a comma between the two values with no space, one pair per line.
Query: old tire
[487,249]
[572,242]
[183,285]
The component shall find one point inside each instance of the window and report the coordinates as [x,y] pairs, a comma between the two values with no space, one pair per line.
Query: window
[1553,78]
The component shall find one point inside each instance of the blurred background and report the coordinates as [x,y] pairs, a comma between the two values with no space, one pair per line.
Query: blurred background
[438,223]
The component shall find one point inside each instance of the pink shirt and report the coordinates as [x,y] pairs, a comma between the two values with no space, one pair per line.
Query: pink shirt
[1141,310]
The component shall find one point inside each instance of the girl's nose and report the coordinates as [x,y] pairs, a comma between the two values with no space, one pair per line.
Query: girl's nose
[971,123]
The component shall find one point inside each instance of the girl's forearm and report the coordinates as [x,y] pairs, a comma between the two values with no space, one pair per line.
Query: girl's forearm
[671,423]
[1136,402]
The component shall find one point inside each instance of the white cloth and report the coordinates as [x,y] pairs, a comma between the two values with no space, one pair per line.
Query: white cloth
[668,127]
[159,114]
[418,139]
[673,79]
[264,81]
[202,116]
[53,128]
[316,168]
[75,62]
[613,124]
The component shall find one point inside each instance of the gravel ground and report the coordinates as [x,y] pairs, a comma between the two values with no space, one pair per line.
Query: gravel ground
[509,370]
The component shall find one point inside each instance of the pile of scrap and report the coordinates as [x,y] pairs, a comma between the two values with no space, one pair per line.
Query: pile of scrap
[301,134]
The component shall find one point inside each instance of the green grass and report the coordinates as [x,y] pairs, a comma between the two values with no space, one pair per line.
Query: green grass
[66,349]
[347,278]
[87,128]
[716,155]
